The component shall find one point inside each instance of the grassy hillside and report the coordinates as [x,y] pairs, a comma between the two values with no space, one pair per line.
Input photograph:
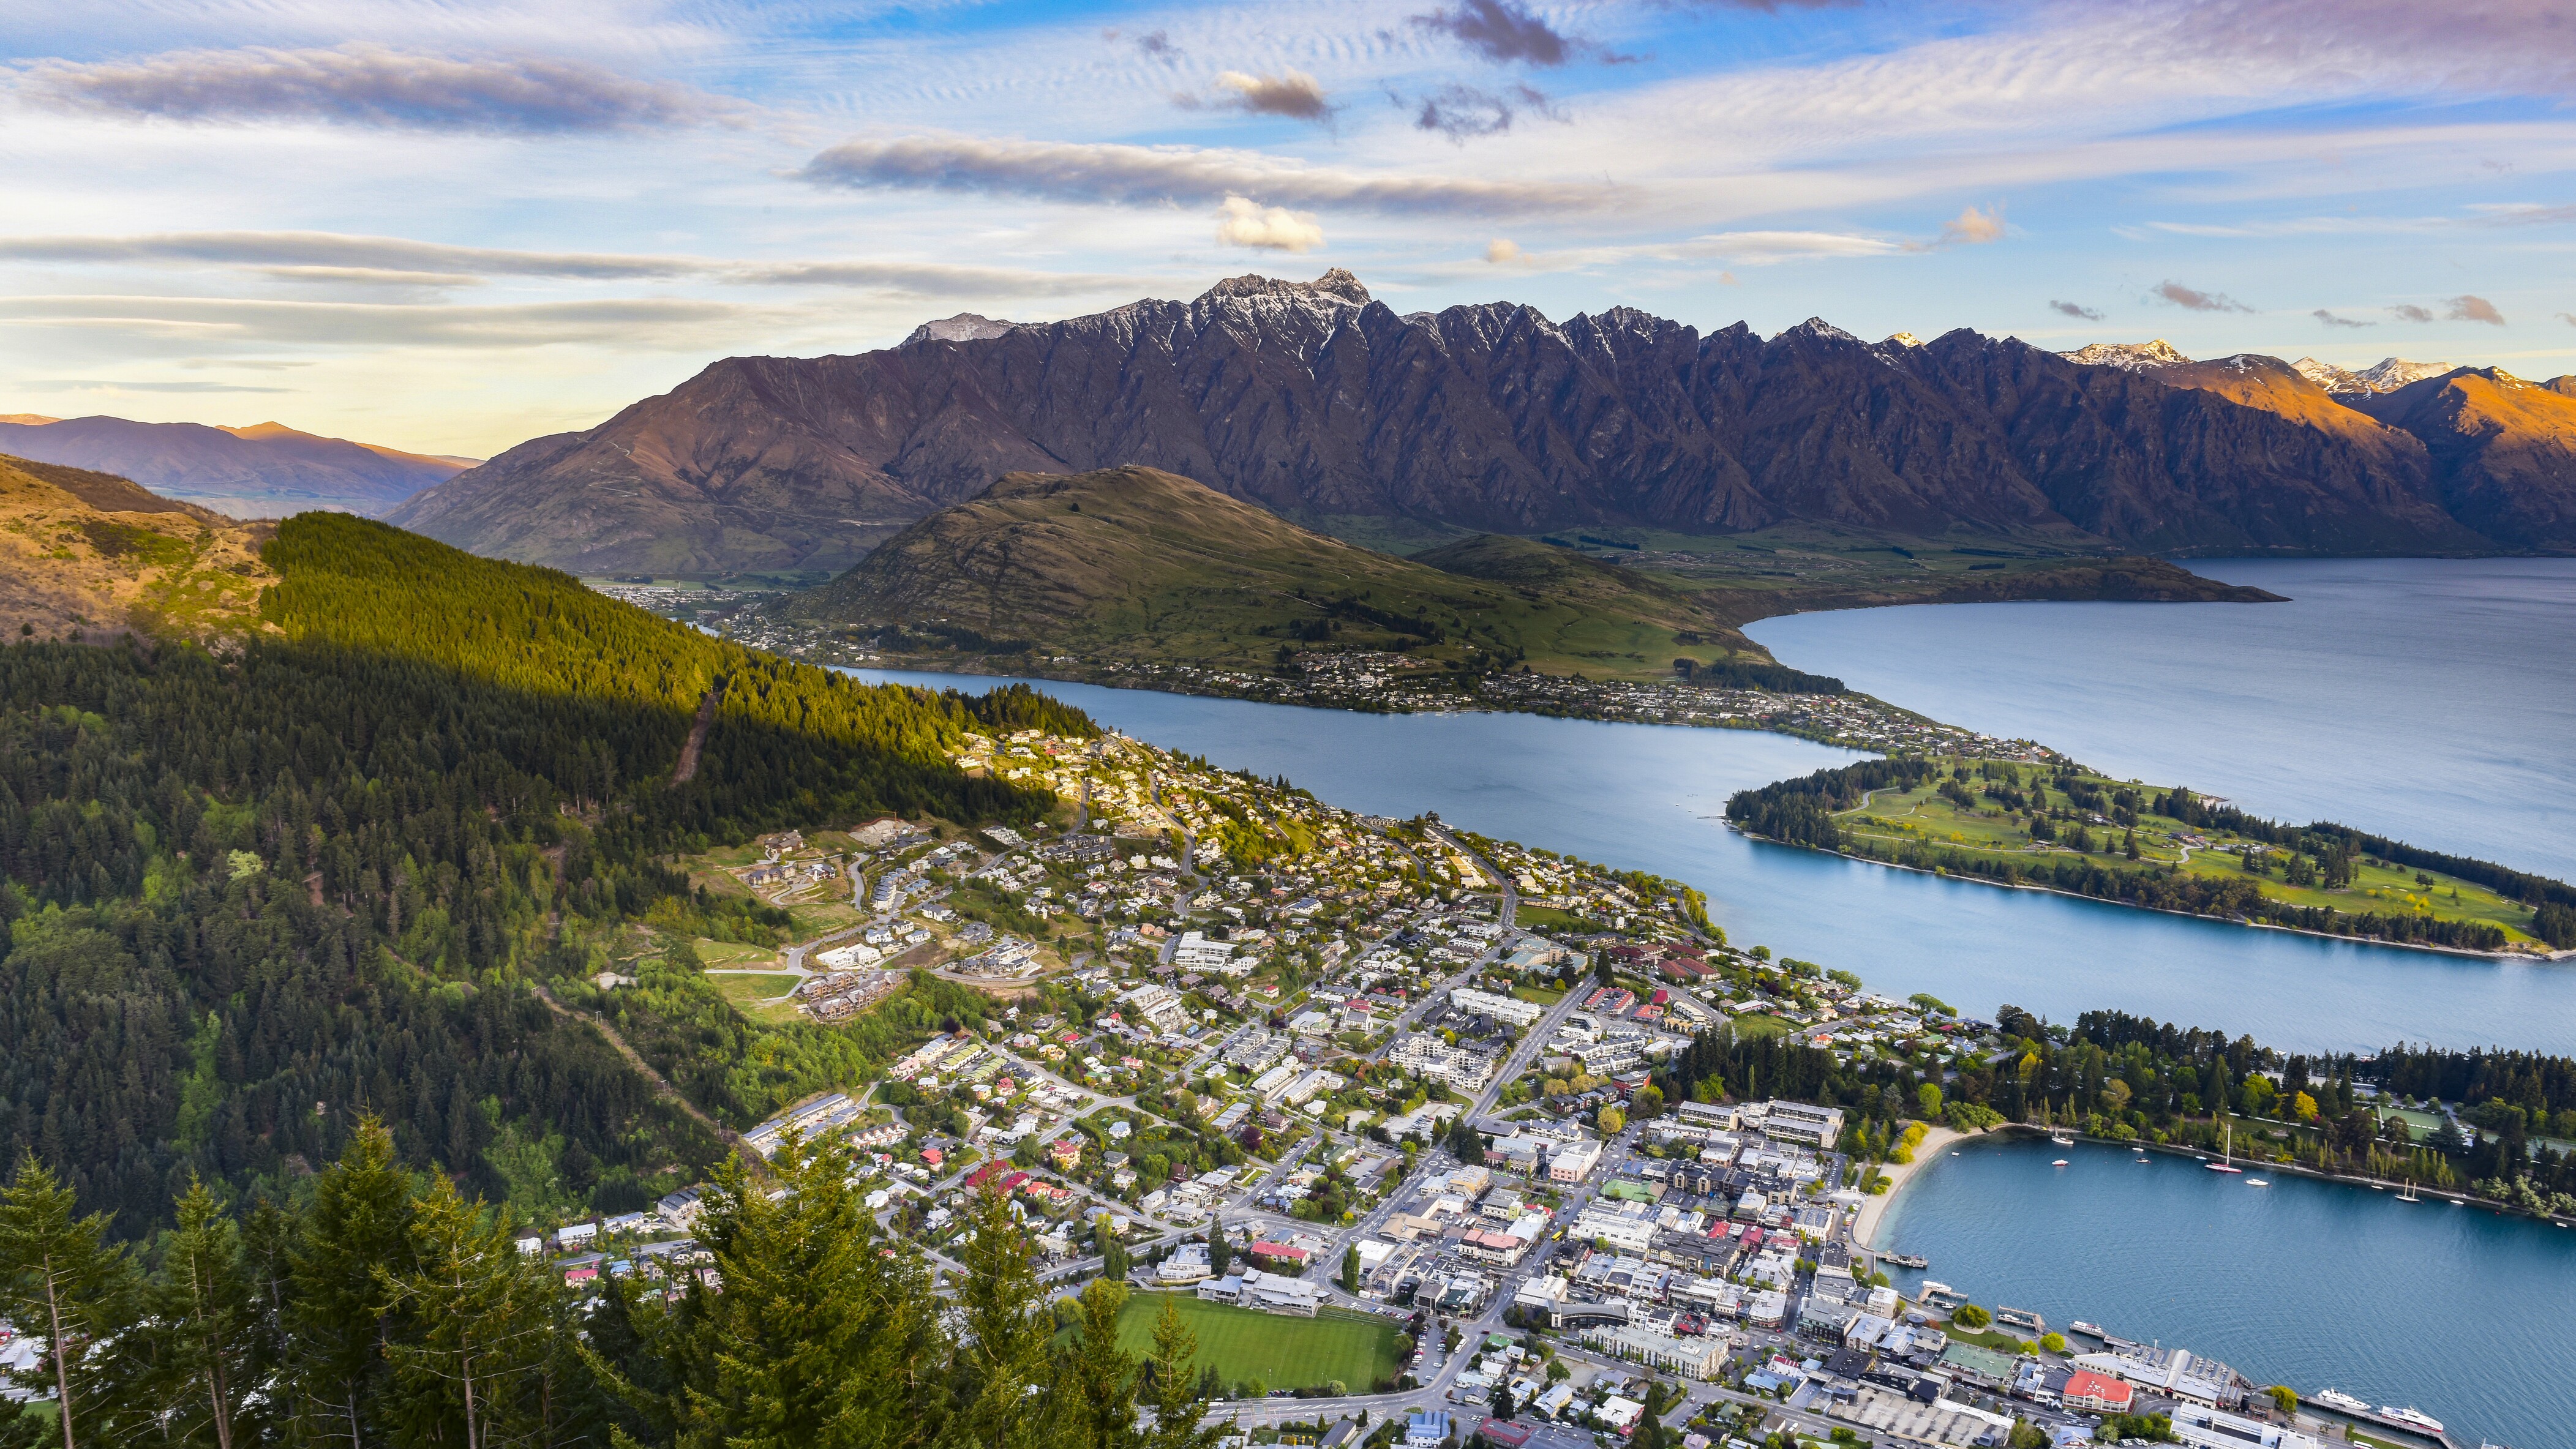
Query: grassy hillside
[94,554]
[1133,563]
[246,898]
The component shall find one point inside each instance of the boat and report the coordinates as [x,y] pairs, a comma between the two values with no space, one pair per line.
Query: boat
[2089,1330]
[2339,1401]
[1905,1260]
[2061,1162]
[2412,1418]
[2060,1139]
[2226,1154]
[2407,1194]
[2256,1182]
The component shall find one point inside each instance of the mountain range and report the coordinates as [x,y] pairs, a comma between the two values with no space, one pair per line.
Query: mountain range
[264,470]
[1323,405]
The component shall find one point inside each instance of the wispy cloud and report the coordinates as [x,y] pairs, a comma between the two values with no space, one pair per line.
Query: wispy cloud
[397,261]
[1463,113]
[1294,94]
[1098,173]
[90,384]
[2192,299]
[2331,320]
[2409,312]
[373,85]
[1501,31]
[671,323]
[2073,309]
[2470,308]
[1245,223]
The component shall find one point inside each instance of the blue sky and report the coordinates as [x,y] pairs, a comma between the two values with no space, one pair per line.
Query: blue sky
[454,226]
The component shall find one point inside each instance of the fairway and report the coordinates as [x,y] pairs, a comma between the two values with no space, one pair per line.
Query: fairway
[1282,1352]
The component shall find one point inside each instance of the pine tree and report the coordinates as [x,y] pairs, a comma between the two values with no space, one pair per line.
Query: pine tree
[1001,1353]
[1091,1398]
[200,1339]
[61,1280]
[337,1316]
[1181,1394]
[1220,1252]
[478,1308]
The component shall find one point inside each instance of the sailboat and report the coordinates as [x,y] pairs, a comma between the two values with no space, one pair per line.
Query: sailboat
[2407,1194]
[2226,1154]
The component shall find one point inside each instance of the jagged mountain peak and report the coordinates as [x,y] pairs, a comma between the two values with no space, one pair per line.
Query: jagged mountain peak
[2391,373]
[964,327]
[2135,356]
[1338,285]
[1902,339]
[1819,327]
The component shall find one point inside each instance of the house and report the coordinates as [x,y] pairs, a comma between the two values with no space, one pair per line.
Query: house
[1426,1429]
[1281,1255]
[2099,1393]
[1619,1415]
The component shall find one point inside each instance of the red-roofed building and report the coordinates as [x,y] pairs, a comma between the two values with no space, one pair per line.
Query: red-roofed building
[1286,1255]
[987,1172]
[2100,1393]
[933,1156]
[1504,1433]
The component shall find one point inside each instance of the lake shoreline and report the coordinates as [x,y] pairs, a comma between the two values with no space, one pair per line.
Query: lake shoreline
[2517,957]
[1898,1174]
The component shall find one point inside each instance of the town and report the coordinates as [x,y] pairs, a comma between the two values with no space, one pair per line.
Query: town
[1397,1081]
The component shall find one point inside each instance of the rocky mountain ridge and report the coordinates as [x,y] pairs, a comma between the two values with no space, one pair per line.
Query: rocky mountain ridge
[1318,402]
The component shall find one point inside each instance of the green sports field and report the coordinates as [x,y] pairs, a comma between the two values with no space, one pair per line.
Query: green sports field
[1282,1352]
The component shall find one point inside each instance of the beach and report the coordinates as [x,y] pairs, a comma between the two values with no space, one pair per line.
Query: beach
[1934,1143]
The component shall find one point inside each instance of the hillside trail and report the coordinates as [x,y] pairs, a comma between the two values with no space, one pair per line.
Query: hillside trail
[644,1068]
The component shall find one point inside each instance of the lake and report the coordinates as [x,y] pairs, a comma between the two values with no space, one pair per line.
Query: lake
[1651,797]
[2457,1311]
[2433,700]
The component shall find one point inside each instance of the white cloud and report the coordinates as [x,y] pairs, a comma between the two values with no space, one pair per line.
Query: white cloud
[1972,227]
[1243,223]
[1111,174]
[1502,251]
[372,85]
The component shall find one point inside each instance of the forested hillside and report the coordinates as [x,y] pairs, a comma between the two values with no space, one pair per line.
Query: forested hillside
[247,898]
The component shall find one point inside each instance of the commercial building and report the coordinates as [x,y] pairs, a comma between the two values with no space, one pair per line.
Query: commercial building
[2098,1393]
[1268,1292]
[1693,1356]
[1801,1123]
[1501,1008]
[1573,1162]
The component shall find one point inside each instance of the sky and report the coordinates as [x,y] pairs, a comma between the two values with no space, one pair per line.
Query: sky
[453,225]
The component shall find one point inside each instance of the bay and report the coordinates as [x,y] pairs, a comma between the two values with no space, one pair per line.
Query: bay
[2433,700]
[2457,1311]
[1651,798]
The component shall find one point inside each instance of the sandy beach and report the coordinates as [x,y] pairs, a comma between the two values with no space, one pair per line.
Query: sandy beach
[1935,1142]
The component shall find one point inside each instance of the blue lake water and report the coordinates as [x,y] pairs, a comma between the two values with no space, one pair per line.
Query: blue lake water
[2457,1311]
[2433,700]
[1649,797]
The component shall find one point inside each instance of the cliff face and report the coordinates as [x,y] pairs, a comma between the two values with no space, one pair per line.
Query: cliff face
[2502,449]
[1315,401]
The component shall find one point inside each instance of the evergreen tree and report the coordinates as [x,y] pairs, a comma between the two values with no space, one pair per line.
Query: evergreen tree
[479,1307]
[1220,1252]
[199,1345]
[1351,1269]
[61,1280]
[1181,1394]
[337,1316]
[1091,1397]
[1001,1353]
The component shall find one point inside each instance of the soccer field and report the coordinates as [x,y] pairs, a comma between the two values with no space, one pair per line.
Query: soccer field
[1282,1352]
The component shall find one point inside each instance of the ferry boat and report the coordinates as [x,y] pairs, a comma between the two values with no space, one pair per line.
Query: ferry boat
[1905,1260]
[2339,1401]
[2226,1154]
[2089,1330]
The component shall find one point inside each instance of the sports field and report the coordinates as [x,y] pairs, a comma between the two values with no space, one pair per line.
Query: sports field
[1282,1352]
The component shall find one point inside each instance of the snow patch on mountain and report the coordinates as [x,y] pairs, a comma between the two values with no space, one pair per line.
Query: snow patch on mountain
[2129,356]
[964,327]
[2386,375]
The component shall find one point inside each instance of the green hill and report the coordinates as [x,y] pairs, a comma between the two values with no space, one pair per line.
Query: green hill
[248,895]
[1142,565]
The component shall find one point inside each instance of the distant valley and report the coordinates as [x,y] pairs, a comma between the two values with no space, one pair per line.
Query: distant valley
[265,470]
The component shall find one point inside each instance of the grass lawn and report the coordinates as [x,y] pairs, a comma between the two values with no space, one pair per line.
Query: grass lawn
[1537,995]
[734,955]
[747,993]
[1924,816]
[1548,918]
[1754,1026]
[1282,1352]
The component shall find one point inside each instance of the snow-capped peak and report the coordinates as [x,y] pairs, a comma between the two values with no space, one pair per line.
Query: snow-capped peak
[2133,356]
[964,327]
[1336,285]
[1819,327]
[2386,375]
